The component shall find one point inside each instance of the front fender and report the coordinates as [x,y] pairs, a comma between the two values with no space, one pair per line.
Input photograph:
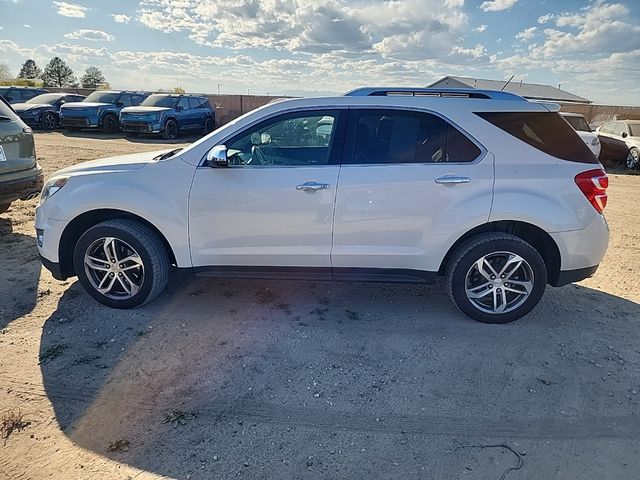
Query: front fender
[157,193]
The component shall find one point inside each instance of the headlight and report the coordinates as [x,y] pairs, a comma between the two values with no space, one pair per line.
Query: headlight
[52,186]
[155,117]
[595,141]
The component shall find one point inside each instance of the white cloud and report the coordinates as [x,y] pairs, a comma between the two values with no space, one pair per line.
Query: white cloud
[26,25]
[121,18]
[527,34]
[480,28]
[71,9]
[497,5]
[545,18]
[91,35]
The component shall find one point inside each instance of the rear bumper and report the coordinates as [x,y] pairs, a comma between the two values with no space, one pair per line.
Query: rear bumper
[22,188]
[570,276]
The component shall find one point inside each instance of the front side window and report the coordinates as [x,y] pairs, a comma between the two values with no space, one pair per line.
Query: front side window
[619,128]
[183,103]
[396,136]
[300,139]
[125,100]
[13,96]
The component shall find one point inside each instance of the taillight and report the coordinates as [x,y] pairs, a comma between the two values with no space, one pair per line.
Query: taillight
[594,183]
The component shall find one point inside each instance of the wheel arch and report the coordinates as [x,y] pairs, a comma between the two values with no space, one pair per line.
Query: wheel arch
[80,224]
[532,234]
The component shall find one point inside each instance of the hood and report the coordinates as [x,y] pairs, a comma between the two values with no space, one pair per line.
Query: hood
[141,109]
[23,107]
[121,163]
[78,105]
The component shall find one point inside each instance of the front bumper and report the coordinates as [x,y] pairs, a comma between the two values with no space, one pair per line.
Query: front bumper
[136,126]
[80,122]
[22,188]
[54,268]
[31,120]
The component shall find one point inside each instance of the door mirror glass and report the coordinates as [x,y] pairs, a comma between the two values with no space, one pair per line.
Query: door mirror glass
[624,134]
[217,156]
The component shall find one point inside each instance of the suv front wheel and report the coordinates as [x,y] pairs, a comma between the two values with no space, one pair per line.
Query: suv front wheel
[121,263]
[496,278]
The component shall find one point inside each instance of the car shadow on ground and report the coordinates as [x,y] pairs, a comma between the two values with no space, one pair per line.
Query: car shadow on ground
[261,379]
[19,273]
[142,138]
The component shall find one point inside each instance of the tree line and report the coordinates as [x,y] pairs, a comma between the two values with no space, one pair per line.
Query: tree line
[57,74]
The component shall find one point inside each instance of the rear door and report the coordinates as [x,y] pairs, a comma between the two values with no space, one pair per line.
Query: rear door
[16,142]
[410,183]
[199,114]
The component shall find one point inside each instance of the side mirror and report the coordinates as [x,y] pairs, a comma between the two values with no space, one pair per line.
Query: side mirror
[624,135]
[217,156]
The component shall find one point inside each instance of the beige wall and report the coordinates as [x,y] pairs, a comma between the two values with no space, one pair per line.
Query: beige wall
[596,115]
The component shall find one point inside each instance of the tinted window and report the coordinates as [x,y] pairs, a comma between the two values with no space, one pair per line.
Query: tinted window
[295,139]
[13,96]
[27,94]
[578,123]
[137,99]
[545,131]
[125,100]
[619,128]
[183,103]
[635,129]
[394,136]
[195,102]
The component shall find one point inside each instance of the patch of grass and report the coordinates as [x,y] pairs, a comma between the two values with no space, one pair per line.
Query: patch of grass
[86,359]
[177,417]
[351,315]
[120,445]
[53,352]
[12,421]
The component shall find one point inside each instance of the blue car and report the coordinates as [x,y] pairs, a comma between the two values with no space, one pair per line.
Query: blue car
[99,110]
[169,114]
[44,110]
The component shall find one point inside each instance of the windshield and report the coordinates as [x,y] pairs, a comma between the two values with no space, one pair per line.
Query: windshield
[103,97]
[160,101]
[634,129]
[45,98]
[578,123]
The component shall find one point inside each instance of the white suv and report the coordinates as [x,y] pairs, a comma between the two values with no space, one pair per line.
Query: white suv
[498,194]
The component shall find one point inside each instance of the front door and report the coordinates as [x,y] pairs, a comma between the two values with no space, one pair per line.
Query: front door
[273,205]
[410,183]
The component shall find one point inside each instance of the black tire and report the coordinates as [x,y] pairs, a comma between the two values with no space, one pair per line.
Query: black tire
[170,130]
[49,121]
[209,125]
[110,123]
[147,245]
[632,162]
[4,207]
[463,259]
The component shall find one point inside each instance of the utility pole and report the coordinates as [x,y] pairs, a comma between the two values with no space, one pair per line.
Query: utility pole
[219,88]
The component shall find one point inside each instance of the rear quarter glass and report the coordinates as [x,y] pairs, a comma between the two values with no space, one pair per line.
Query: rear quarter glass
[545,131]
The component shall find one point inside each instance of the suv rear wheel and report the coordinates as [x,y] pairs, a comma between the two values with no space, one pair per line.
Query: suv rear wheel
[496,278]
[121,263]
[209,125]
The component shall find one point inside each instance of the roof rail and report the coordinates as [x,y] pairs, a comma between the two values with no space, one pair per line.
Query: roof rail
[433,92]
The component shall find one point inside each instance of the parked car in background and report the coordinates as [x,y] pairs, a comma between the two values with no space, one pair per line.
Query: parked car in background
[496,193]
[44,110]
[621,142]
[169,115]
[100,109]
[580,125]
[20,94]
[21,177]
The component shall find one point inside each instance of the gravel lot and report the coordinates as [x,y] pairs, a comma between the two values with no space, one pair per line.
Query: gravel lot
[265,379]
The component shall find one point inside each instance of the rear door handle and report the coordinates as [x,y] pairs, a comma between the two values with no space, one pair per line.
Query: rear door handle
[450,179]
[312,186]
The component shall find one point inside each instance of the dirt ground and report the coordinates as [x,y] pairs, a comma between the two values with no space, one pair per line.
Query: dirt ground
[266,379]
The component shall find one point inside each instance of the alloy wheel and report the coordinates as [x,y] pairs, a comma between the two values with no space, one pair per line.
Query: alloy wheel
[499,282]
[114,268]
[633,158]
[49,121]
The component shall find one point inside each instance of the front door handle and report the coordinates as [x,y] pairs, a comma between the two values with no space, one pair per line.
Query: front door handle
[312,186]
[451,179]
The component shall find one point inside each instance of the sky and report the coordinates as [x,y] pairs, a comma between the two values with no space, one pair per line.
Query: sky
[325,47]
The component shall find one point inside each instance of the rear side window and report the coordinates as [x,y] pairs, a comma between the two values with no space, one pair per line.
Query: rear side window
[397,136]
[545,131]
[6,111]
[196,102]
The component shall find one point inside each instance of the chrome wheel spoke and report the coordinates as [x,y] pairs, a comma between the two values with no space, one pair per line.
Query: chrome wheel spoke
[107,289]
[133,287]
[480,291]
[97,263]
[481,264]
[526,287]
[513,264]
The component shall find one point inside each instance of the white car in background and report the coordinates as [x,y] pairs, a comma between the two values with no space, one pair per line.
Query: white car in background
[621,142]
[580,125]
[495,193]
